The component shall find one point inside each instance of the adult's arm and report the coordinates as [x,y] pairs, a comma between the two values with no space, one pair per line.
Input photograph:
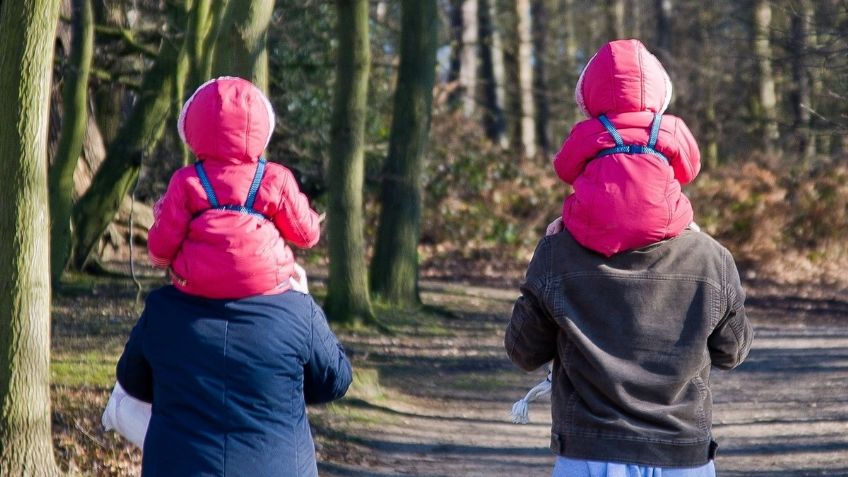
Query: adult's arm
[731,339]
[327,373]
[530,338]
[133,370]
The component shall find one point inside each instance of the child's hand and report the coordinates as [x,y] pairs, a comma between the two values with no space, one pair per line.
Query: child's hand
[554,227]
[298,280]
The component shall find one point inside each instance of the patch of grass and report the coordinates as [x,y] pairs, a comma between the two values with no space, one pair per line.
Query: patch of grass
[90,368]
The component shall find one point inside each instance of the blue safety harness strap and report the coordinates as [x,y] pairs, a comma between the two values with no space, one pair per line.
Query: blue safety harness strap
[247,208]
[621,148]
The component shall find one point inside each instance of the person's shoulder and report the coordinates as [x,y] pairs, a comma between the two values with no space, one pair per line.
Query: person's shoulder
[694,240]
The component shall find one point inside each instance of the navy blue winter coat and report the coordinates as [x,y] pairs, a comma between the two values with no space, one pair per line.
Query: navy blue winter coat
[229,381]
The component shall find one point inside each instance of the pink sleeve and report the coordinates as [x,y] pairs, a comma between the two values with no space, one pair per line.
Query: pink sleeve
[295,220]
[170,225]
[579,148]
[685,156]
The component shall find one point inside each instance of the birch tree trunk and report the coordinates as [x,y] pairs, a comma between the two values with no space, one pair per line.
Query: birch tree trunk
[242,47]
[767,99]
[524,74]
[75,102]
[394,268]
[347,288]
[664,37]
[27,32]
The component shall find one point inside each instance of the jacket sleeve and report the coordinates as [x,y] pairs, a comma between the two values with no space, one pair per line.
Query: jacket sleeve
[731,339]
[531,334]
[684,155]
[170,225]
[133,370]
[327,373]
[295,220]
[577,150]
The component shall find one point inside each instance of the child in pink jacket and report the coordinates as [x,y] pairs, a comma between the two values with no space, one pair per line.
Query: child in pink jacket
[628,161]
[221,227]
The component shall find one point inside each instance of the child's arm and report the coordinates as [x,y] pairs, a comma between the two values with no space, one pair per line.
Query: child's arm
[295,220]
[170,226]
[577,150]
[681,150]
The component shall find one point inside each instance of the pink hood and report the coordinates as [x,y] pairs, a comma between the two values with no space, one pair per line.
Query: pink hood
[623,77]
[227,120]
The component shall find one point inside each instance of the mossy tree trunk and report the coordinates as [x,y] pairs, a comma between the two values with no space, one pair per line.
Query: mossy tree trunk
[137,137]
[347,288]
[242,45]
[27,32]
[75,102]
[394,268]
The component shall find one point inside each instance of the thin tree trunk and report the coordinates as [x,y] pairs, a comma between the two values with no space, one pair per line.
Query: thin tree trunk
[524,70]
[615,19]
[75,101]
[468,57]
[110,98]
[492,74]
[242,48]
[138,136]
[455,63]
[539,15]
[27,32]
[664,37]
[210,42]
[199,25]
[767,98]
[801,94]
[394,268]
[347,288]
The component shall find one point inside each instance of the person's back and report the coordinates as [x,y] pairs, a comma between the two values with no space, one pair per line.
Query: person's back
[632,338]
[229,380]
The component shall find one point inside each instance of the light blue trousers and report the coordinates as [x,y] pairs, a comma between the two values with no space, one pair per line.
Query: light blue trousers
[566,467]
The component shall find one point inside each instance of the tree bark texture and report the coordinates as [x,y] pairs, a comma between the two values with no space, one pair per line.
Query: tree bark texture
[75,101]
[767,98]
[492,74]
[27,32]
[242,46]
[801,95]
[137,137]
[394,268]
[347,289]
[524,70]
[541,98]
[468,56]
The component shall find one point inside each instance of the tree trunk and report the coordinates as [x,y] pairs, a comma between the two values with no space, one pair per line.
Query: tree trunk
[110,98]
[75,102]
[347,287]
[615,20]
[524,74]
[242,48]
[492,74]
[767,99]
[394,268]
[468,57]
[200,17]
[664,37]
[540,79]
[137,137]
[27,32]
[801,95]
[210,42]
[455,63]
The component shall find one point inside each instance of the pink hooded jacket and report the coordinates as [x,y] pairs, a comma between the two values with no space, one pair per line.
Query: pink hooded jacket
[625,201]
[227,123]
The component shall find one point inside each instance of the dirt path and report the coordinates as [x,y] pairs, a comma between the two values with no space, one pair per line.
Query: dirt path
[441,404]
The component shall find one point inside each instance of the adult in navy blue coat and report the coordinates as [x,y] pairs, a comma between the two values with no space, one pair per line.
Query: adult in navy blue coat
[229,381]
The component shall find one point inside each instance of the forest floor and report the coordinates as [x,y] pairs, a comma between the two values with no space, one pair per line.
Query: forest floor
[433,398]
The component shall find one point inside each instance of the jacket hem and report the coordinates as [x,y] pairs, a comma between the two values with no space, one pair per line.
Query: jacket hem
[654,454]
